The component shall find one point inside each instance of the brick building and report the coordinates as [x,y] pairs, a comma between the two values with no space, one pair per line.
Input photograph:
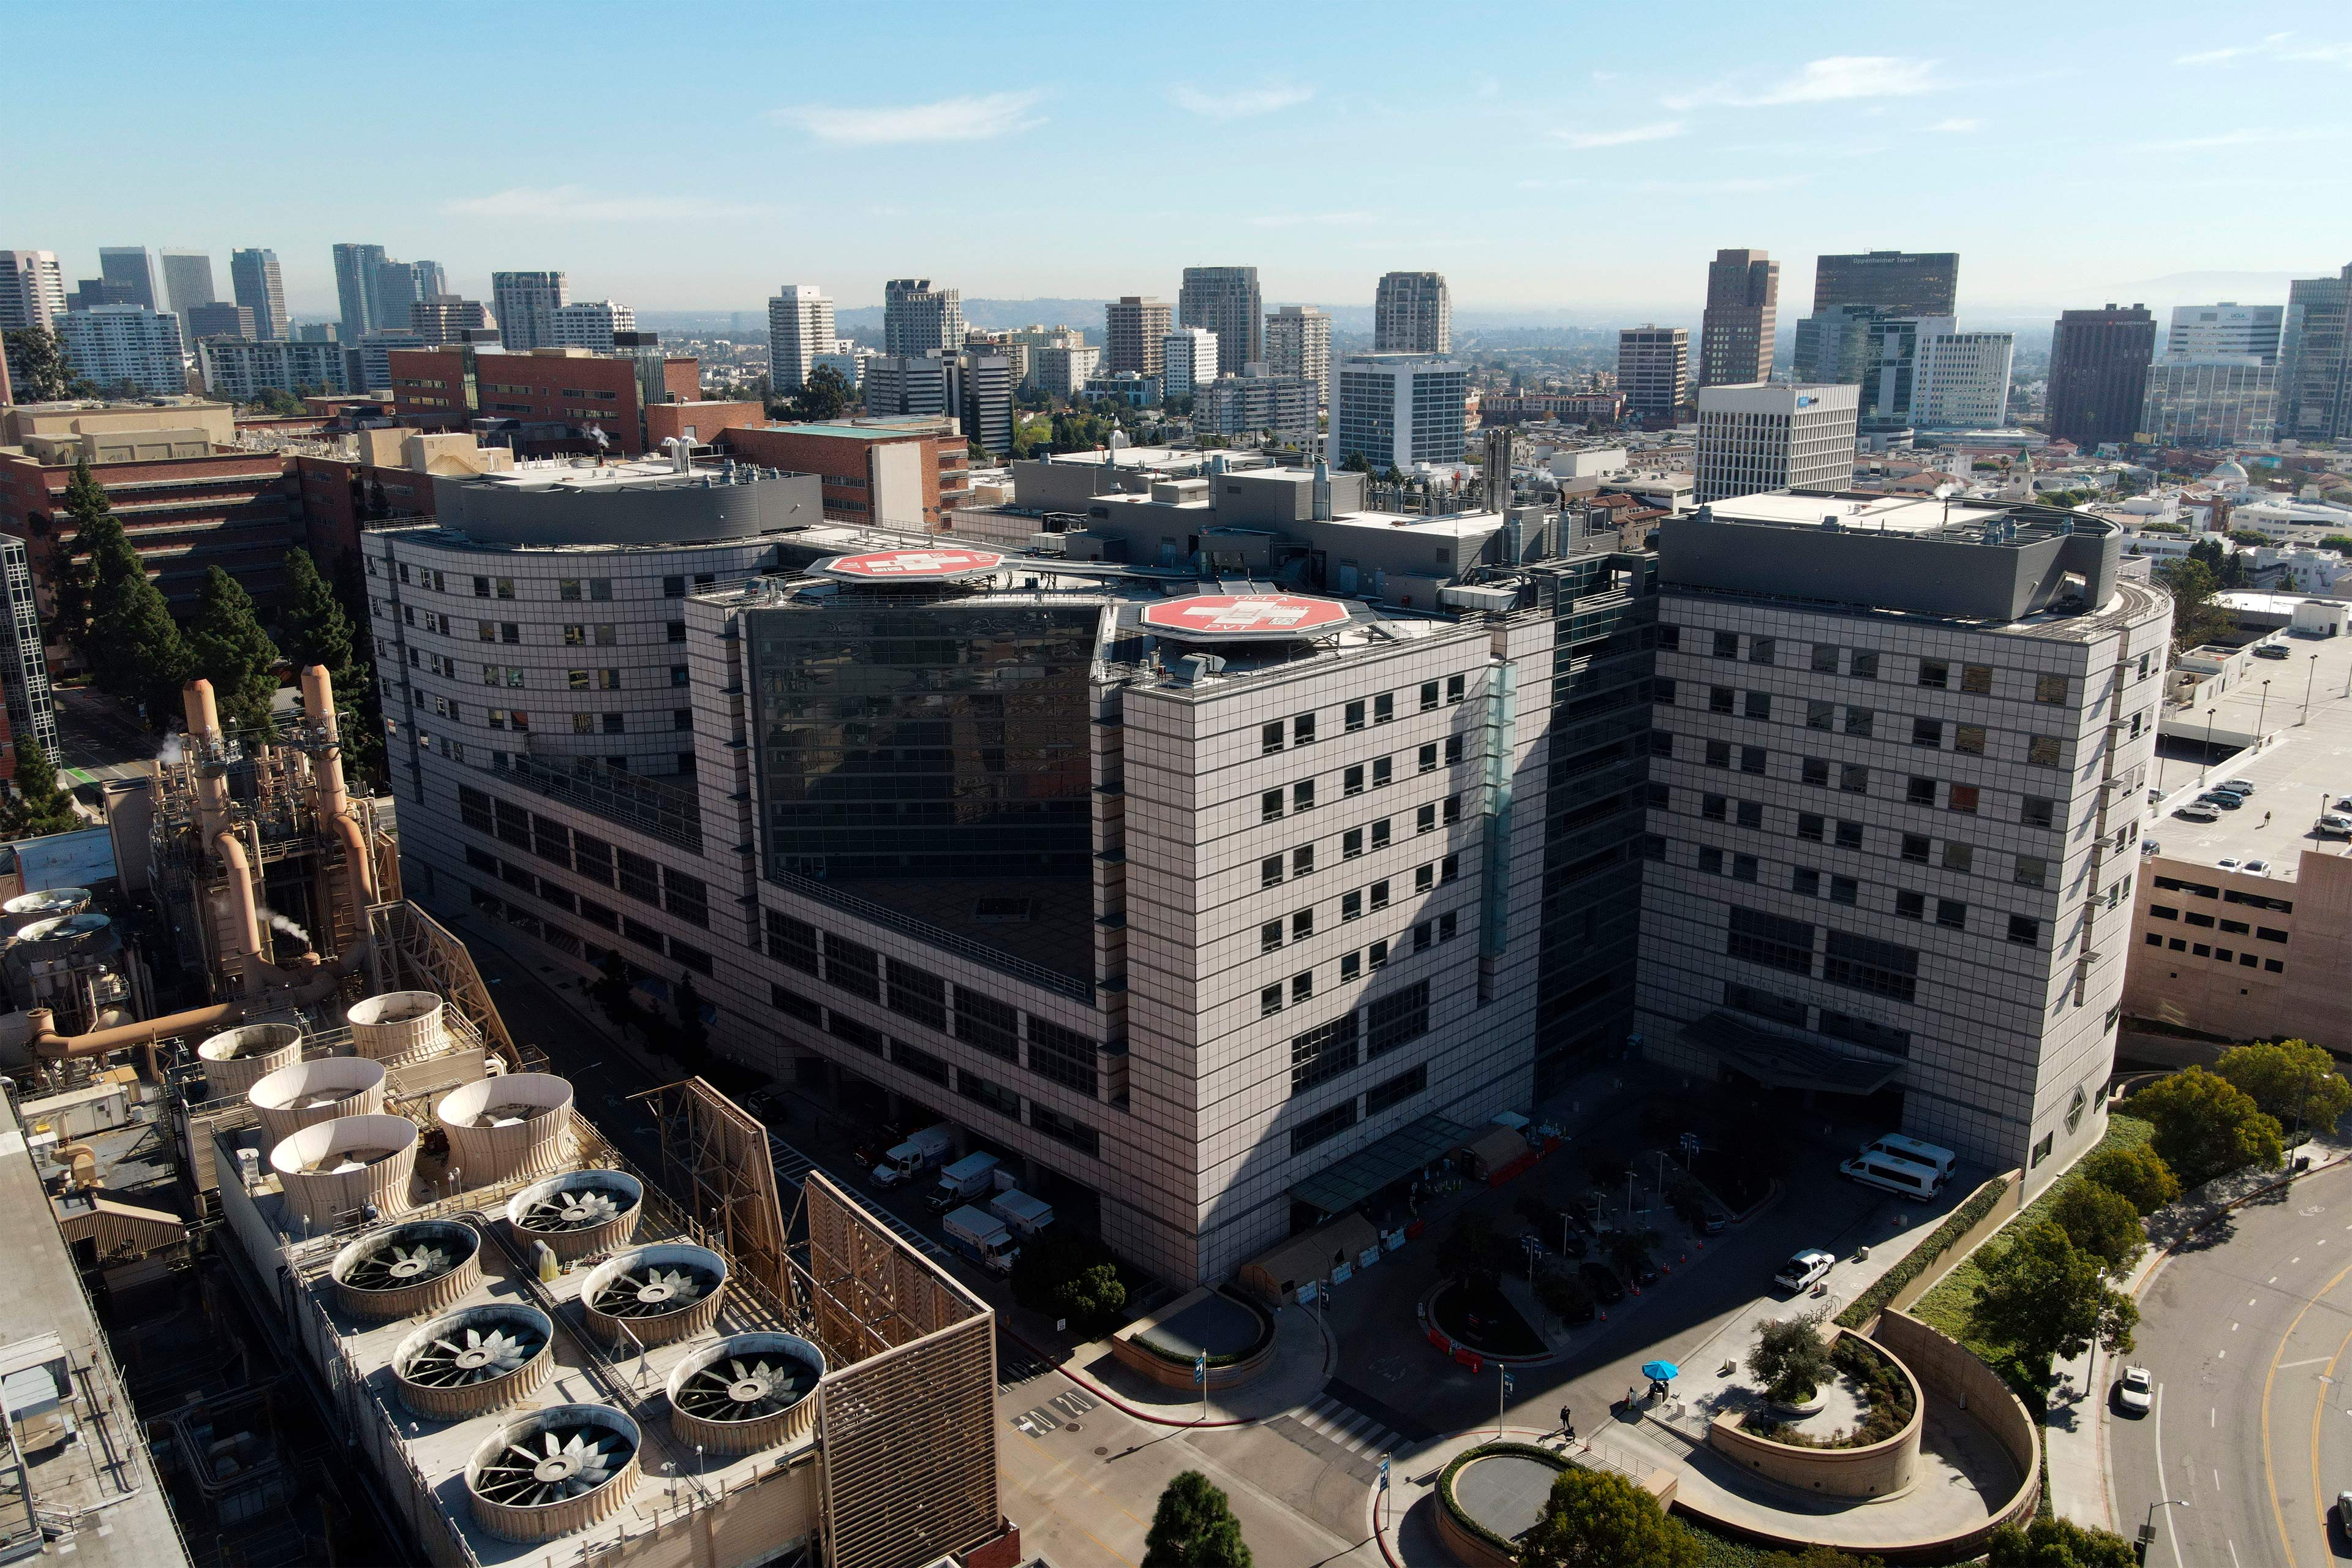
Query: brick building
[907,473]
[547,400]
[706,419]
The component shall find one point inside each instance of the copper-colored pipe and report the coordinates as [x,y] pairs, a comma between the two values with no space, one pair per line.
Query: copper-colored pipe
[334,797]
[49,1046]
[230,844]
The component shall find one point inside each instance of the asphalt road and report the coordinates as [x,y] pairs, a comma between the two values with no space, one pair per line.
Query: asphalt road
[99,739]
[2254,1324]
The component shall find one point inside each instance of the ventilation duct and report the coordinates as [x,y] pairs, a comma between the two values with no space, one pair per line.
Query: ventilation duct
[348,1165]
[398,1026]
[578,1215]
[310,1092]
[403,1269]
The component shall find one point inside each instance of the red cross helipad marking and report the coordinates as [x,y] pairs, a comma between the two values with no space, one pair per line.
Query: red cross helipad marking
[917,562]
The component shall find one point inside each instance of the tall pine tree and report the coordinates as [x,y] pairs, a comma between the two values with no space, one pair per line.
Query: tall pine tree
[313,629]
[70,577]
[131,645]
[37,807]
[232,651]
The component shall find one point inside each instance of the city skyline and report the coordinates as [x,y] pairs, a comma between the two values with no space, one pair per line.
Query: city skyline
[1754,139]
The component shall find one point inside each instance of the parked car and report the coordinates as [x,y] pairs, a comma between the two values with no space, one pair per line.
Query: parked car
[2344,1511]
[2221,798]
[2230,862]
[2135,1393]
[1804,1270]
[2236,787]
[2149,847]
[1603,1281]
[2257,867]
[2270,650]
[2154,797]
[2195,811]
[2335,822]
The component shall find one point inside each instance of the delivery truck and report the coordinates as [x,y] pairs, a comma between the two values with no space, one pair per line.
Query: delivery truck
[923,1152]
[967,1179]
[1026,1214]
[983,1238]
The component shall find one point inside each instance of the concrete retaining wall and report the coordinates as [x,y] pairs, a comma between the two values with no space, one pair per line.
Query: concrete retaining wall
[1169,1373]
[1947,1369]
[2011,1203]
[1873,1470]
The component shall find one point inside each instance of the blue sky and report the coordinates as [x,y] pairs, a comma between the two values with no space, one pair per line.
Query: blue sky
[1582,159]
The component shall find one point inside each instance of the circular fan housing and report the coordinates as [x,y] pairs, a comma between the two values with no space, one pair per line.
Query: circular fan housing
[746,1393]
[505,1126]
[553,1472]
[402,1270]
[578,1213]
[333,1168]
[237,1059]
[310,1092]
[397,1026]
[474,1361]
[653,1295]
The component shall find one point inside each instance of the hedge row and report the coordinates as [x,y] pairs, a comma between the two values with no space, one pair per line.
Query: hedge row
[1485,1450]
[1872,1301]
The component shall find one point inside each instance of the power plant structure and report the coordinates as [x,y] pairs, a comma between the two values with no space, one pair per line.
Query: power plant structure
[539,1353]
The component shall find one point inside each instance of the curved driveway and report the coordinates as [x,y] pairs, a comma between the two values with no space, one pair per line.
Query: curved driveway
[2249,1337]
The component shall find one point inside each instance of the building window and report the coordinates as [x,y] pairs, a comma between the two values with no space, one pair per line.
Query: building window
[1935,672]
[2035,811]
[1353,718]
[1911,906]
[1951,914]
[1726,645]
[2050,689]
[1322,1127]
[1770,940]
[1881,968]
[2033,872]
[1428,695]
[1720,698]
[1396,1018]
[1854,778]
[2041,751]
[1270,738]
[1269,806]
[1977,678]
[986,1024]
[1384,708]
[1861,722]
[1811,826]
[1820,715]
[1758,704]
[1302,796]
[1920,792]
[1849,834]
[1927,732]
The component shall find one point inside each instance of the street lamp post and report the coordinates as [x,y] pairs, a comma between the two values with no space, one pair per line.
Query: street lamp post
[2307,680]
[2206,761]
[2262,712]
[2147,1529]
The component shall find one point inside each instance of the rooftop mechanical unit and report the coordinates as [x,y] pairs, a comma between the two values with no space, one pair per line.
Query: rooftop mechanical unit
[506,1126]
[349,1164]
[237,1059]
[652,1295]
[579,1214]
[398,1026]
[553,1472]
[746,1393]
[403,1269]
[310,1092]
[475,1361]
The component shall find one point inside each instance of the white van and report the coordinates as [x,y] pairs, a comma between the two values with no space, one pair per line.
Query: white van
[1896,1145]
[1916,1182]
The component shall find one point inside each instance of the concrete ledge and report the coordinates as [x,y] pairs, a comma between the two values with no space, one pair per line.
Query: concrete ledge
[1878,1469]
[1171,1372]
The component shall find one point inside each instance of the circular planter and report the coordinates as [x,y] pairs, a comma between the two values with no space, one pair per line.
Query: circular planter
[1480,1515]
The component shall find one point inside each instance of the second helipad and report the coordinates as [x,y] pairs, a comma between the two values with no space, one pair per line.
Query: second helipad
[910,565]
[1245,617]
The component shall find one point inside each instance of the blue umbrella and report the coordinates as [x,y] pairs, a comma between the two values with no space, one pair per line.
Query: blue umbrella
[1663,1371]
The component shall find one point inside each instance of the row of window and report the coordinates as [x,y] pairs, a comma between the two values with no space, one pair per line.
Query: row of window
[1354,903]
[647,880]
[584,633]
[1854,778]
[2232,927]
[1952,914]
[515,678]
[1864,664]
[933,1069]
[1881,968]
[2227,895]
[1353,965]
[1839,1026]
[2221,955]
[1862,723]
[1917,848]
[596,590]
[1274,805]
[1299,730]
[1387,1095]
[681,720]
[545,889]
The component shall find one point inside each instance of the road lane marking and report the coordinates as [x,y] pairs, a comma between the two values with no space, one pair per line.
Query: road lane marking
[2319,1405]
[2309,1360]
[2269,1484]
[2156,1414]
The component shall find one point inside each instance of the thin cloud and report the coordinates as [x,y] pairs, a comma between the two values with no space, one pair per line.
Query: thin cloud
[1569,184]
[1246,104]
[1836,79]
[970,119]
[2279,47]
[1327,220]
[1663,131]
[2252,137]
[577,203]
[1957,127]
[1719,187]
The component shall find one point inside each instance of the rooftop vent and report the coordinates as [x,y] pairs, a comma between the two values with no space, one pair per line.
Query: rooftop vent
[510,1125]
[553,1472]
[579,1214]
[397,1026]
[353,1162]
[308,1093]
[237,1059]
[653,1295]
[403,1269]
[746,1393]
[475,1361]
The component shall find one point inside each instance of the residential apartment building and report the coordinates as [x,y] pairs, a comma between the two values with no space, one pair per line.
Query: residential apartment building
[132,267]
[453,318]
[1188,358]
[1897,787]
[1654,370]
[1250,408]
[1736,332]
[368,363]
[2315,358]
[1413,313]
[1217,946]
[545,402]
[1397,410]
[1963,381]
[32,290]
[1773,437]
[187,280]
[256,282]
[218,321]
[1062,370]
[917,317]
[2228,328]
[129,346]
[525,304]
[2098,373]
[901,384]
[355,289]
[1225,300]
[1297,343]
[2210,400]
[984,399]
[1134,328]
[800,328]
[244,369]
[1889,282]
[591,324]
[397,288]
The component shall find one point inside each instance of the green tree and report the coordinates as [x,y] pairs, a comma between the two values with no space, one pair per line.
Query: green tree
[2339,542]
[1472,1252]
[1789,1359]
[610,989]
[133,645]
[1594,1519]
[2196,617]
[2045,1299]
[2207,1126]
[2054,1543]
[232,651]
[826,394]
[1194,1527]
[313,629]
[37,807]
[2292,1080]
[1069,1277]
[1563,1294]
[2102,1222]
[94,524]
[1818,1556]
[1355,463]
[2136,1171]
[36,365]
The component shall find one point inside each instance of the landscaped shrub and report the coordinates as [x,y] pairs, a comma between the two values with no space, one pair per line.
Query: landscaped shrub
[1872,1301]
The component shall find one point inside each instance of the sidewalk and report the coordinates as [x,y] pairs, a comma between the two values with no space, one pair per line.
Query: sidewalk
[1304,1359]
[2074,1433]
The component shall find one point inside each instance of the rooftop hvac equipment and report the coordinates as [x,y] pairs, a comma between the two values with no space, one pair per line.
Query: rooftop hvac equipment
[579,1214]
[403,1269]
[398,1026]
[746,1393]
[237,1059]
[350,1163]
[87,935]
[475,1361]
[652,1295]
[512,1125]
[553,1472]
[308,1093]
[49,903]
